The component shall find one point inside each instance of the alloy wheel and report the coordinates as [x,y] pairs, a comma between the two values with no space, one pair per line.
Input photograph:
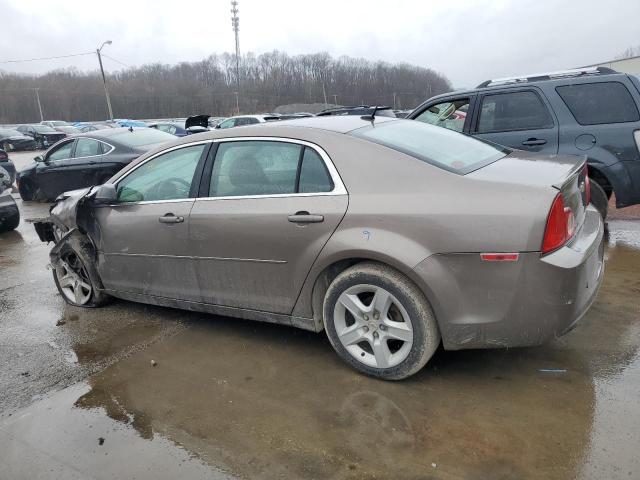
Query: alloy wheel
[373,326]
[73,280]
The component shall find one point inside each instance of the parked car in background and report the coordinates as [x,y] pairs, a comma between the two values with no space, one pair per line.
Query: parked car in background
[14,140]
[592,112]
[212,122]
[67,129]
[90,127]
[173,128]
[129,123]
[9,213]
[242,120]
[84,160]
[381,111]
[54,123]
[7,164]
[43,135]
[391,235]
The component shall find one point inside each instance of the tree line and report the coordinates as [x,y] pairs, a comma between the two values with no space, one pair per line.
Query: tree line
[264,82]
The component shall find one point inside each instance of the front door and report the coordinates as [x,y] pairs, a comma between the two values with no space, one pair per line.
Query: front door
[58,173]
[269,207]
[518,119]
[144,235]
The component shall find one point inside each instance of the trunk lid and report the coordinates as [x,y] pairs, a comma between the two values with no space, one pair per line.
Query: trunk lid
[565,173]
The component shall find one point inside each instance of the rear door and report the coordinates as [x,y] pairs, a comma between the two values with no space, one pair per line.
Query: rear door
[268,206]
[517,118]
[144,234]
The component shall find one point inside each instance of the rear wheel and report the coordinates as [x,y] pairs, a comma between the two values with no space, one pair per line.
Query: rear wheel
[379,322]
[599,199]
[10,223]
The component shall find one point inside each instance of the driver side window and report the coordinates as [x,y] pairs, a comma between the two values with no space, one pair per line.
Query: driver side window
[166,177]
[61,152]
[450,114]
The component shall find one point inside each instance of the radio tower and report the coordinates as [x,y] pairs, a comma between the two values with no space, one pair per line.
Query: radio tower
[235,22]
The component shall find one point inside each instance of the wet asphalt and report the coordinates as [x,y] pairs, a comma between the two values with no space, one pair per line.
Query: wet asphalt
[80,396]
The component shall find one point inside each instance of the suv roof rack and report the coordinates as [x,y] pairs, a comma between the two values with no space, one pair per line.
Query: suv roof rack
[576,72]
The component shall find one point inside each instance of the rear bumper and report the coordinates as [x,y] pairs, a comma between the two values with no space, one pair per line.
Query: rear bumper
[481,304]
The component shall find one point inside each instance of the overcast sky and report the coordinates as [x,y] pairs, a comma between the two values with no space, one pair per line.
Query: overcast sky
[467,40]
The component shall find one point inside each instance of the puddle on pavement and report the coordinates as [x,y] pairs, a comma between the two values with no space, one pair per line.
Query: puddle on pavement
[264,401]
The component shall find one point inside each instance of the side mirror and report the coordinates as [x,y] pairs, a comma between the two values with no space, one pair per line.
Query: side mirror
[38,159]
[106,193]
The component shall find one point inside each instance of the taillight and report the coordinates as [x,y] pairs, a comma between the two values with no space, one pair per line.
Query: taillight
[561,225]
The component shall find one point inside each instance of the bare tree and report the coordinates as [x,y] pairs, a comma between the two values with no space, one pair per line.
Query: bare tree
[629,53]
[207,86]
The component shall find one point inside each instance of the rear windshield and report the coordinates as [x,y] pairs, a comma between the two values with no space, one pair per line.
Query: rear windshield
[438,146]
[142,137]
[44,129]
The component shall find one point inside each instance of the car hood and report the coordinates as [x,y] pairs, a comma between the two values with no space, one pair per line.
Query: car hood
[197,121]
[532,169]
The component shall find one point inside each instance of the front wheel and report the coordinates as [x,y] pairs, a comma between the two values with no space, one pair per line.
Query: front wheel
[74,283]
[379,322]
[599,199]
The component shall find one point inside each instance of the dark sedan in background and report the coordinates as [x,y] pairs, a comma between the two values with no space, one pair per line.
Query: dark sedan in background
[43,135]
[84,160]
[11,139]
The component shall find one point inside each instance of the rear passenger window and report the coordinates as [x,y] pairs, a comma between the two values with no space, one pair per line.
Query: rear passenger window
[596,103]
[314,176]
[513,111]
[255,167]
[87,147]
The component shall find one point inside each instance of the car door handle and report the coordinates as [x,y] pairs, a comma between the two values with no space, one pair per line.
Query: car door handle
[305,217]
[170,218]
[534,141]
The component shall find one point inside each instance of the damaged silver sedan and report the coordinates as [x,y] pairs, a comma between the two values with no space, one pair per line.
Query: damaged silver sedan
[393,236]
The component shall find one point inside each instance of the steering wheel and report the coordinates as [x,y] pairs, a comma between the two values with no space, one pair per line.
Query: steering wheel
[167,189]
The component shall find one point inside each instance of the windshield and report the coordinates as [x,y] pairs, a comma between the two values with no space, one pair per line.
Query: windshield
[43,129]
[58,123]
[142,137]
[438,146]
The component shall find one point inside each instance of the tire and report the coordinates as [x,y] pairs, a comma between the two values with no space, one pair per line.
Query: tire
[369,289]
[10,224]
[74,282]
[599,199]
[25,191]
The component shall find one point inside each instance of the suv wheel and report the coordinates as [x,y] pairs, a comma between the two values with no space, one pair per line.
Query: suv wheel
[379,322]
[599,199]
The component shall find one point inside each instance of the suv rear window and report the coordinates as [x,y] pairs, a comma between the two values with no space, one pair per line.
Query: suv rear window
[596,103]
[438,146]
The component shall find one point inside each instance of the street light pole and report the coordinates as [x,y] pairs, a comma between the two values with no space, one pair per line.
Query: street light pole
[39,104]
[104,80]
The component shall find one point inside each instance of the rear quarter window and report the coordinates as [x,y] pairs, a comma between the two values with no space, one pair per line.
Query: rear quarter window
[599,103]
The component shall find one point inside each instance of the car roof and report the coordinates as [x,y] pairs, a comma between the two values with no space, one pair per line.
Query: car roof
[533,80]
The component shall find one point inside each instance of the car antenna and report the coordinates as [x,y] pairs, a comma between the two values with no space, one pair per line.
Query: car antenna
[371,116]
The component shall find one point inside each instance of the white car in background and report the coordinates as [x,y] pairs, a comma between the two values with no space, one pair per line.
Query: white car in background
[241,120]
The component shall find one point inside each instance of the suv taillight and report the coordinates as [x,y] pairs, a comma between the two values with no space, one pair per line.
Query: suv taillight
[561,225]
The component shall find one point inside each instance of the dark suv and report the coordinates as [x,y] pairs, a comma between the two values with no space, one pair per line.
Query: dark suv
[591,111]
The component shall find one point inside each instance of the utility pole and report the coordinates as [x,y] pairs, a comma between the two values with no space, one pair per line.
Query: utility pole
[335,99]
[324,94]
[394,100]
[235,23]
[39,104]
[104,80]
